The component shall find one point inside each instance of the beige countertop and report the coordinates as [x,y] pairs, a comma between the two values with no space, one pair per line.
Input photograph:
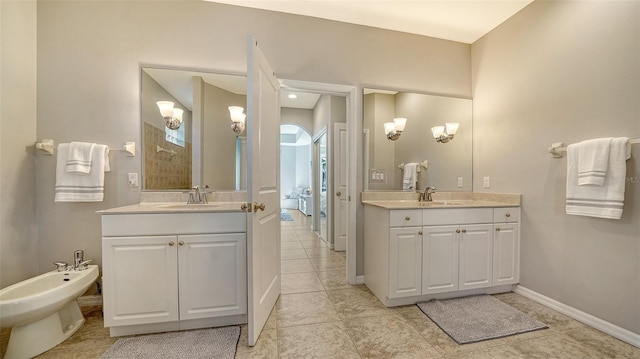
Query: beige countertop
[410,204]
[409,200]
[175,207]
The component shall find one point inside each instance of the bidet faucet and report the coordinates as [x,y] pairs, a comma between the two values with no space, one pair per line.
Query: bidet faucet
[426,195]
[78,257]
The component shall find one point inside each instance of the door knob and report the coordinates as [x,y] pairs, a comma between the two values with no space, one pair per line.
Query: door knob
[338,193]
[257,206]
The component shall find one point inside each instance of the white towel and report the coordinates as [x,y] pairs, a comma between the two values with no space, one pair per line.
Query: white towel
[79,157]
[80,187]
[604,201]
[593,159]
[410,176]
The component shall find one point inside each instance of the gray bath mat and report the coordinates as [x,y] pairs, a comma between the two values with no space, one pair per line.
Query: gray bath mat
[477,318]
[219,343]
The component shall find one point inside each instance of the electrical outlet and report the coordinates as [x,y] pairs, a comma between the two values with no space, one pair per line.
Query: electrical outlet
[486,182]
[460,182]
[133,180]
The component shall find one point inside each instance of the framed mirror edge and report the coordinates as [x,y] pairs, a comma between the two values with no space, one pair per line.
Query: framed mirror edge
[368,89]
[141,67]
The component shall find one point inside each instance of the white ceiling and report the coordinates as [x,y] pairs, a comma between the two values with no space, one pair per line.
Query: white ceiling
[457,20]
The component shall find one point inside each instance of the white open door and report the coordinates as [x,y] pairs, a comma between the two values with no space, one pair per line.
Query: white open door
[340,177]
[263,190]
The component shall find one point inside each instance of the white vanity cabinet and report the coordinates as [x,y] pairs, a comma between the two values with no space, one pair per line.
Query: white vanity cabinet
[506,246]
[413,254]
[173,271]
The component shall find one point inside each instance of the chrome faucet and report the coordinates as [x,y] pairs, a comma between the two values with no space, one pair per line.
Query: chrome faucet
[426,195]
[78,260]
[197,197]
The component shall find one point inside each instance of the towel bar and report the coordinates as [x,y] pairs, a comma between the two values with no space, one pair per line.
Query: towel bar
[47,147]
[558,149]
[424,164]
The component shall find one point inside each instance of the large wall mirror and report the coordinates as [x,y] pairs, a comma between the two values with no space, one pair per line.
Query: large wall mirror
[448,165]
[203,150]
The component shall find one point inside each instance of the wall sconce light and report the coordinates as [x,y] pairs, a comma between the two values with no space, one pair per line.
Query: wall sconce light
[394,129]
[445,133]
[172,116]
[237,119]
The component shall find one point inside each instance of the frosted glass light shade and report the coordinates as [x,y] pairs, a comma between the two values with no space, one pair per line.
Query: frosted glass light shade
[389,127]
[400,122]
[437,131]
[236,113]
[452,128]
[166,108]
[177,114]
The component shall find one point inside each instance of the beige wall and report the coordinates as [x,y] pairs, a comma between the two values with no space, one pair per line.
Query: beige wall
[18,233]
[563,71]
[90,54]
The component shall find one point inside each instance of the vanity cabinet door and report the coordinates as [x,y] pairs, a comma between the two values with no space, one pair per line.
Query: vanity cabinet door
[140,278]
[440,248]
[405,269]
[506,253]
[212,270]
[476,256]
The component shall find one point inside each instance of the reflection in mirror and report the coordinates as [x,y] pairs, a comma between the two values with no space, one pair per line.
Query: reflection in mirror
[449,164]
[204,150]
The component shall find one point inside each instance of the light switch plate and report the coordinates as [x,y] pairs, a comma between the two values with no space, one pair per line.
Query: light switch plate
[487,182]
[460,182]
[133,179]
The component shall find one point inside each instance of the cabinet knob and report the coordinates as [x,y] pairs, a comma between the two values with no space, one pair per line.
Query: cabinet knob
[508,215]
[338,193]
[407,218]
[497,229]
[171,244]
[457,231]
[420,233]
[181,243]
[464,231]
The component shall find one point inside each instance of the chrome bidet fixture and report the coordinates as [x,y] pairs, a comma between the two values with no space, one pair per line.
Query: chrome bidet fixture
[79,263]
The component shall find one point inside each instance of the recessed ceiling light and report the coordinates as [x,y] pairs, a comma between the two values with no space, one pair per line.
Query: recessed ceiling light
[292,96]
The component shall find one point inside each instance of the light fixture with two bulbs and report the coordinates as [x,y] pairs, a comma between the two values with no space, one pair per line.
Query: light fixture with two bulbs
[237,119]
[394,129]
[172,116]
[444,134]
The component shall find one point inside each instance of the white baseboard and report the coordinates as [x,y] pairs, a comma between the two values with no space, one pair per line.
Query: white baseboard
[588,319]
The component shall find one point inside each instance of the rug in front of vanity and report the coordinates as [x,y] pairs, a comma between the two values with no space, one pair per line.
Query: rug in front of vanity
[219,343]
[477,318]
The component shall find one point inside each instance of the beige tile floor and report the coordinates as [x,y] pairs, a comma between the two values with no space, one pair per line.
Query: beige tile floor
[319,315]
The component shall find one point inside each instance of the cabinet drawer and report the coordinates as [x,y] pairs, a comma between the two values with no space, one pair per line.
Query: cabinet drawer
[145,224]
[506,214]
[405,217]
[438,216]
